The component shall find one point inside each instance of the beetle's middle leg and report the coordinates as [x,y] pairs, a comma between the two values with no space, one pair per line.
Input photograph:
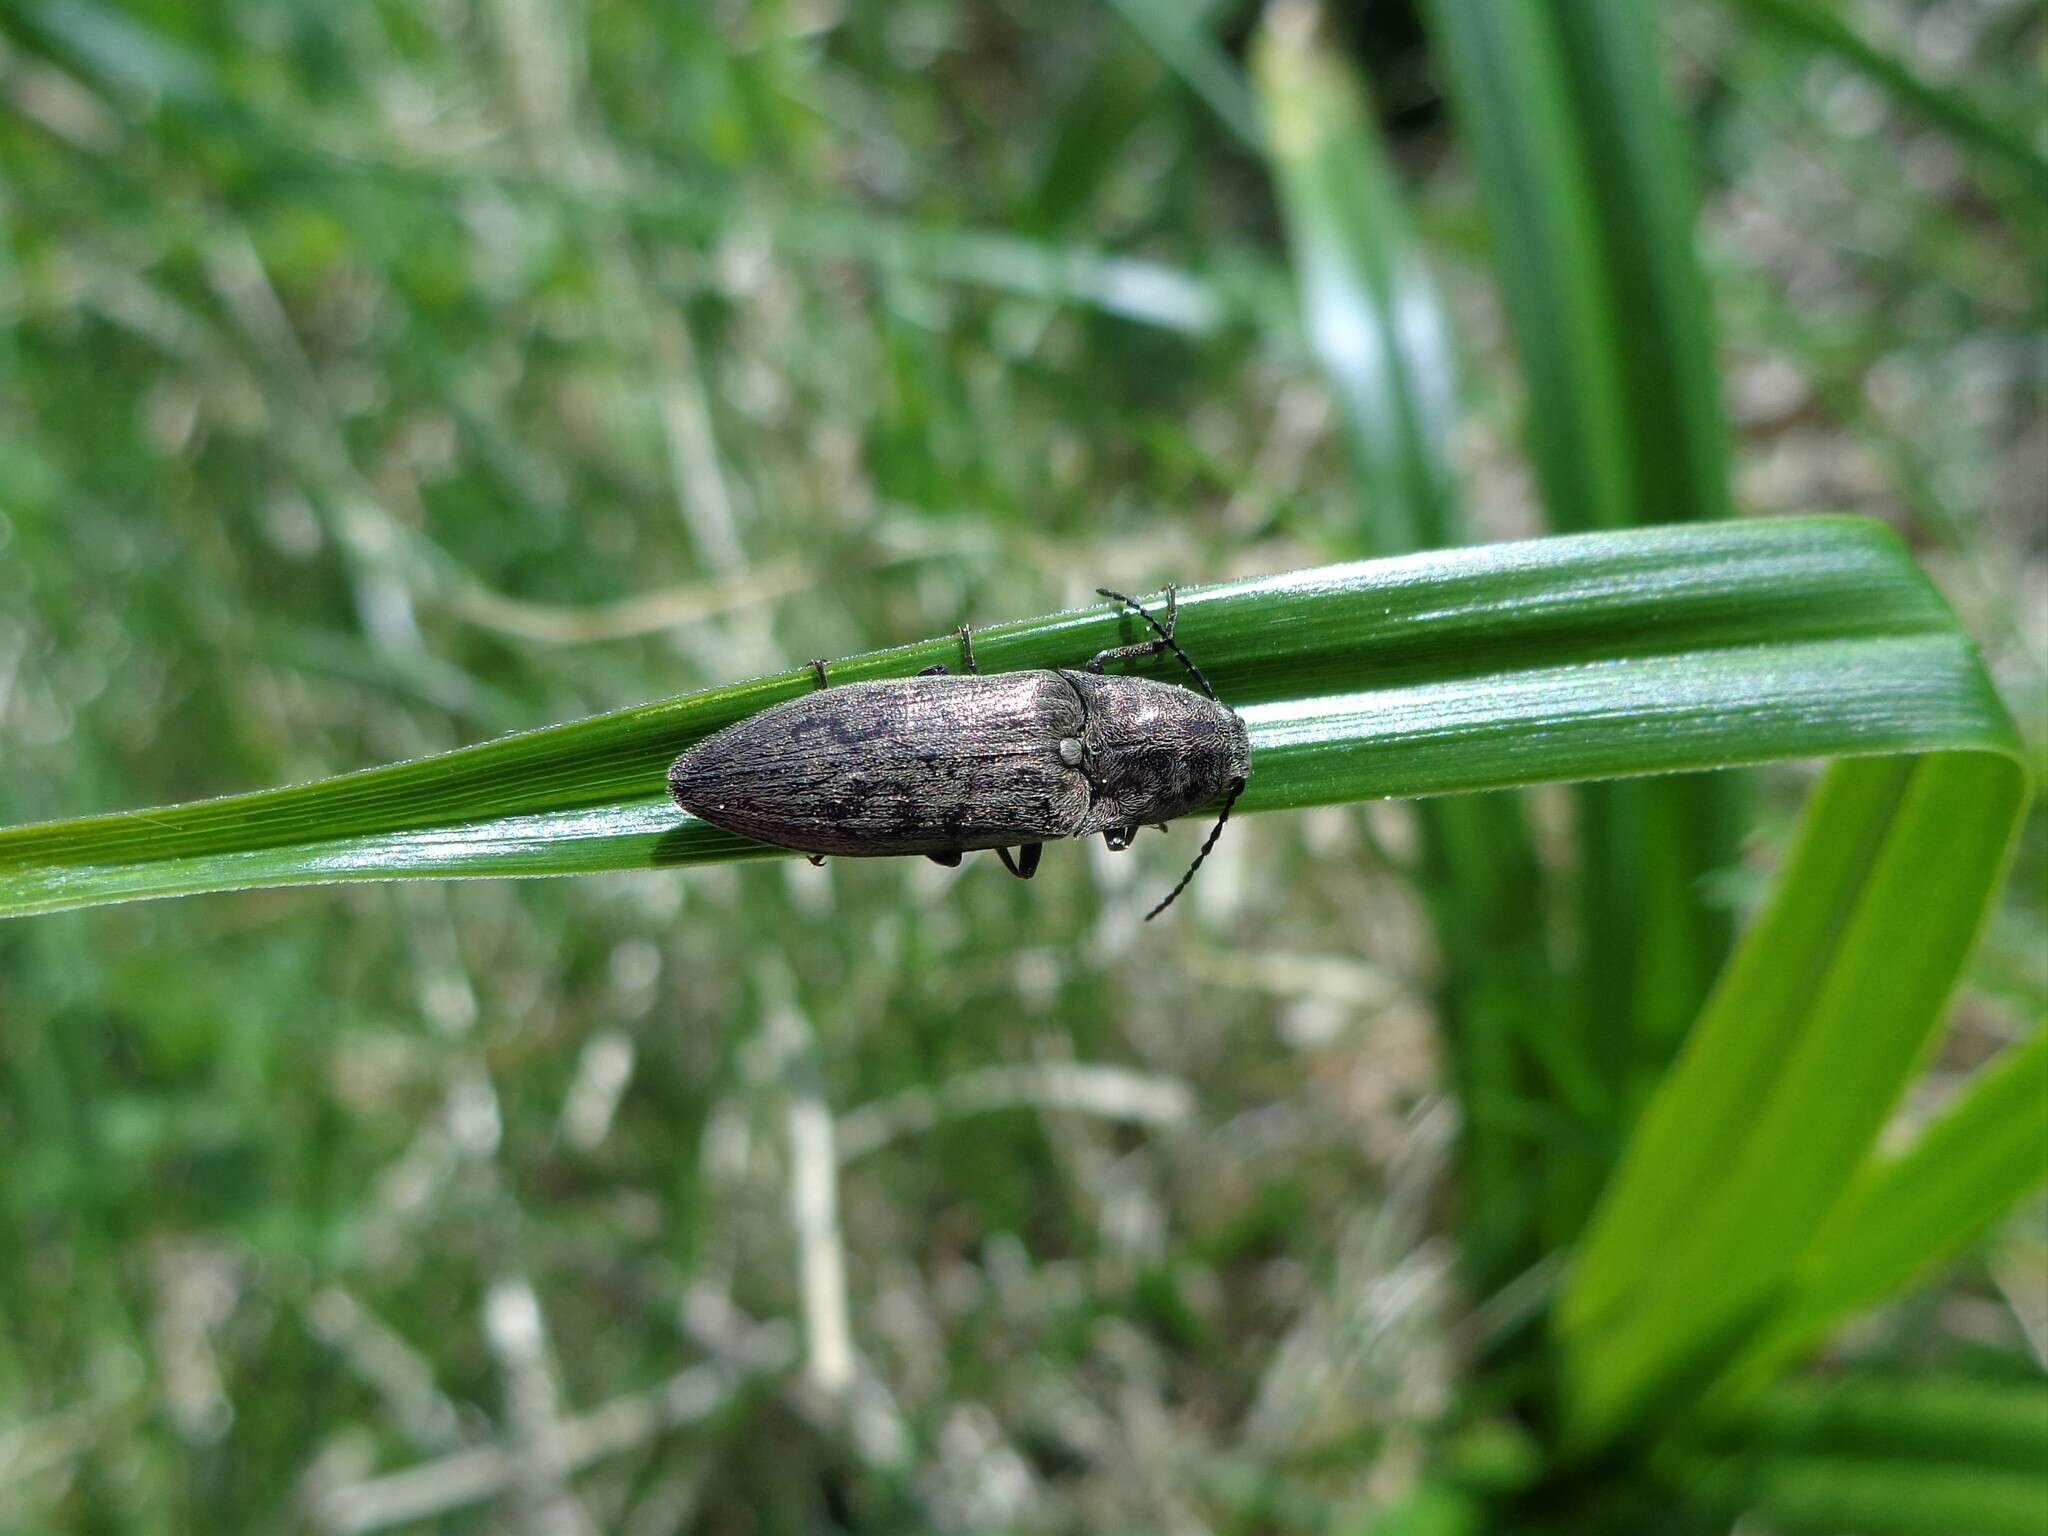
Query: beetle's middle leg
[938,668]
[1025,865]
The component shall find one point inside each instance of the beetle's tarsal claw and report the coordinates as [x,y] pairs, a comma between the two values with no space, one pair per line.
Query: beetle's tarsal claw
[817,860]
[1025,864]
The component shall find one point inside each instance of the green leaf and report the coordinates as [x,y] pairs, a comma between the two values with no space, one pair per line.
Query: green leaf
[1654,651]
[1825,1011]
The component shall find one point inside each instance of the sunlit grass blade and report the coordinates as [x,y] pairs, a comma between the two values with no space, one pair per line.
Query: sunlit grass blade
[1370,311]
[1372,319]
[1654,651]
[1824,1012]
[1588,191]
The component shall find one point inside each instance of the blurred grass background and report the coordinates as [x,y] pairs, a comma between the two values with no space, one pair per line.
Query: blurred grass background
[380,378]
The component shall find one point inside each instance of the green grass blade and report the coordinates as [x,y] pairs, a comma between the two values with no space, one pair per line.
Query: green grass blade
[1964,1421]
[1512,95]
[1373,321]
[1370,310]
[1654,651]
[1909,1211]
[1826,1009]
[1588,189]
[1826,1495]
[1818,25]
[1180,35]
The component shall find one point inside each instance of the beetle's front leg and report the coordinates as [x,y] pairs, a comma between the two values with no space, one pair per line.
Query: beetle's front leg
[1025,865]
[1144,647]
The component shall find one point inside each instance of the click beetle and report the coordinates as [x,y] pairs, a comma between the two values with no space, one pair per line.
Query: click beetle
[945,763]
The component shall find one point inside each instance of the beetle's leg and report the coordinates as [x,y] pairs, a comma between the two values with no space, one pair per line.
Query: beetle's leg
[818,666]
[1025,865]
[950,858]
[1165,642]
[1143,647]
[939,668]
[1117,839]
[817,860]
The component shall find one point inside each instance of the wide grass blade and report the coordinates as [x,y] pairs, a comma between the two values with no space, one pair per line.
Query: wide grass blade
[1654,651]
[1825,1012]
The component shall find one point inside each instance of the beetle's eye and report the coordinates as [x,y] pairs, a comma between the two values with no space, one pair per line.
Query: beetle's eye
[1070,751]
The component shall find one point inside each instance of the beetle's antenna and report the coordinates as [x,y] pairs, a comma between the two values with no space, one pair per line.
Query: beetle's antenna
[1165,635]
[1236,789]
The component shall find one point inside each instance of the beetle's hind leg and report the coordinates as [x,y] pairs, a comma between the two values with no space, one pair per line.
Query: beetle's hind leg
[1025,864]
[1143,647]
[818,670]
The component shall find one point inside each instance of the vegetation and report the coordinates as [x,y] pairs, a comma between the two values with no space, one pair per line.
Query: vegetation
[387,383]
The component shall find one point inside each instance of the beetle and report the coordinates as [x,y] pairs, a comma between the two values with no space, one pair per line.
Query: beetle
[947,763]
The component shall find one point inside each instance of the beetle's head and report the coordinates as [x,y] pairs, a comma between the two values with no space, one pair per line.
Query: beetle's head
[1152,752]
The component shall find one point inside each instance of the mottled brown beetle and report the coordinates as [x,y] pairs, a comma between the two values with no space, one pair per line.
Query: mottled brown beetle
[943,764]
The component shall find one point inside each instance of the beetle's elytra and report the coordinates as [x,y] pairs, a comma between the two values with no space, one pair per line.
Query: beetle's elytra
[943,764]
